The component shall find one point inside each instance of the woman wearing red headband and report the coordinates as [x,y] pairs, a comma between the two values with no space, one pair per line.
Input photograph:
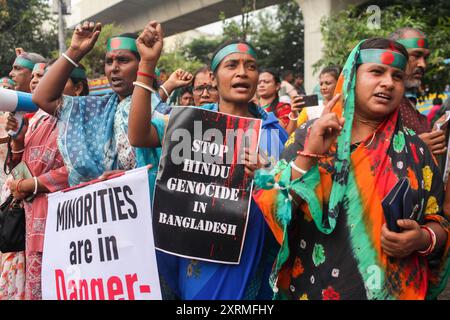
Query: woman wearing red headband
[101,122]
[235,74]
[345,233]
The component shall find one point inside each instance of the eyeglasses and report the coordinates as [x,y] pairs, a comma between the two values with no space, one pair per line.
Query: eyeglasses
[199,90]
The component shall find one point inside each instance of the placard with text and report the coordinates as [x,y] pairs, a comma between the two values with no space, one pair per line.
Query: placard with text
[98,242]
[203,193]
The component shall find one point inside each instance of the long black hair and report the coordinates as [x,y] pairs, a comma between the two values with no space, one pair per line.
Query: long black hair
[334,71]
[276,77]
[84,82]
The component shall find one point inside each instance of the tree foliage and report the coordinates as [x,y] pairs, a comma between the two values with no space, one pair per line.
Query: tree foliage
[279,39]
[170,61]
[343,30]
[201,49]
[21,25]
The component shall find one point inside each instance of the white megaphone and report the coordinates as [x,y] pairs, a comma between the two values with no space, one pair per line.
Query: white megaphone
[18,103]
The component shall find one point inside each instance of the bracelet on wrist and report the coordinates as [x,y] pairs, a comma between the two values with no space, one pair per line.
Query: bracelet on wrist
[298,169]
[292,118]
[18,186]
[36,184]
[165,91]
[148,75]
[18,151]
[70,60]
[144,86]
[432,245]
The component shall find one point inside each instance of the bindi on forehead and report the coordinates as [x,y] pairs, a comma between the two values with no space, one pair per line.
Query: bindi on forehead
[203,78]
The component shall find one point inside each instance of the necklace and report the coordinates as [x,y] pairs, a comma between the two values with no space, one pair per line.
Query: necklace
[370,142]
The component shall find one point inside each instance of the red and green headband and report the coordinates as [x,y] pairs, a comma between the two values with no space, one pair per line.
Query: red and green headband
[230,49]
[23,62]
[39,67]
[414,43]
[383,56]
[121,43]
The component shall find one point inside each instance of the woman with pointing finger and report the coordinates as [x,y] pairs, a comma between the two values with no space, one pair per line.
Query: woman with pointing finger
[325,208]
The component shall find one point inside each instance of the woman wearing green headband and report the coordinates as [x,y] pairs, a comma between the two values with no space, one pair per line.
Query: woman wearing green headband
[344,233]
[101,122]
[235,74]
[22,69]
[77,85]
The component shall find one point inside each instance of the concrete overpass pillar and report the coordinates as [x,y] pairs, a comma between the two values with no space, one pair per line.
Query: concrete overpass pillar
[313,11]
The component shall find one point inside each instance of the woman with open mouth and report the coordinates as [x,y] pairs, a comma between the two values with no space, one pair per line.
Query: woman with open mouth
[37,147]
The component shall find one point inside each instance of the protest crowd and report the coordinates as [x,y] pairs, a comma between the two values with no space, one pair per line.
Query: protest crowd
[339,195]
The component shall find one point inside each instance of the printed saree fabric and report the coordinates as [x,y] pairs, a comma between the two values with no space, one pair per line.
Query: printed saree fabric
[412,118]
[91,132]
[93,135]
[188,279]
[330,235]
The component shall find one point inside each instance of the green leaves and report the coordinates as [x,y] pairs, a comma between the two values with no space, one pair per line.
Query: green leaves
[277,36]
[21,25]
[343,30]
[201,49]
[171,61]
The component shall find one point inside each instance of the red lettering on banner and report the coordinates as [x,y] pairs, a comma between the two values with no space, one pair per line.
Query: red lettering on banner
[84,294]
[60,285]
[145,289]
[73,286]
[131,279]
[115,288]
[97,283]
[94,289]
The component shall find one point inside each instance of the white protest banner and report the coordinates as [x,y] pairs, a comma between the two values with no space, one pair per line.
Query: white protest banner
[99,242]
[444,161]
